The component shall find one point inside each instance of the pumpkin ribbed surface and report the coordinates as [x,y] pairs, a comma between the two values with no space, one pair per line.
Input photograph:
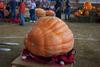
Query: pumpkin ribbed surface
[49,36]
[40,12]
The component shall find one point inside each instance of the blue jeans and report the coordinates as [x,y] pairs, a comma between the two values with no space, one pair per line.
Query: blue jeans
[22,19]
[67,12]
[13,13]
[32,14]
[1,14]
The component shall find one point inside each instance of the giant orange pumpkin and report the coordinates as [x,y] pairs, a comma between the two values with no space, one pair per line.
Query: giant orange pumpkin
[50,13]
[87,5]
[49,36]
[40,12]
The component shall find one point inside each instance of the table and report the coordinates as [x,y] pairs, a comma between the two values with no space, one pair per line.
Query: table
[18,62]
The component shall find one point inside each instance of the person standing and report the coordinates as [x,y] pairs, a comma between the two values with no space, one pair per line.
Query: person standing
[32,7]
[13,5]
[2,7]
[67,10]
[58,8]
[22,12]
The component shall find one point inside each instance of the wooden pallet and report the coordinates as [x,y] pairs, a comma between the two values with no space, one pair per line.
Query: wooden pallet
[20,63]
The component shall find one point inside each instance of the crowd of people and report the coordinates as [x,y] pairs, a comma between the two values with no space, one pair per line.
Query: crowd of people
[8,10]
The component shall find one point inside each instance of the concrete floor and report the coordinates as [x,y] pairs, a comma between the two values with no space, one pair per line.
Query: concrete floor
[87,42]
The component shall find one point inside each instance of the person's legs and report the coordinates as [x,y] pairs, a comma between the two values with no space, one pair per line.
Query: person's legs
[30,11]
[1,14]
[22,19]
[67,13]
[13,13]
[32,15]
[65,16]
[58,14]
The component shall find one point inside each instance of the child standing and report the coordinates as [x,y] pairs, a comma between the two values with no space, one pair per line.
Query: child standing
[32,10]
[22,12]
